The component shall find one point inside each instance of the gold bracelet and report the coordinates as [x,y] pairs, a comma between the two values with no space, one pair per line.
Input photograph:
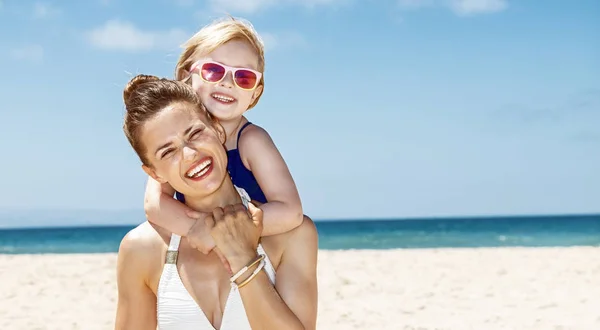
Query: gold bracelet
[258,259]
[253,275]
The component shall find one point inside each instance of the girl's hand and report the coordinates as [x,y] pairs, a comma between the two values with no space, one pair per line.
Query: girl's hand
[236,233]
[199,234]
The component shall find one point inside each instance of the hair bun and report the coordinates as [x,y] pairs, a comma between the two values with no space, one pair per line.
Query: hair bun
[135,83]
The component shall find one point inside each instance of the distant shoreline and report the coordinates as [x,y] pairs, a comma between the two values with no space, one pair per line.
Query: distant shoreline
[348,234]
[93,218]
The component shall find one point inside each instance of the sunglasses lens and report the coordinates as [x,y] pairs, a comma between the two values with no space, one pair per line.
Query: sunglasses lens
[212,72]
[245,79]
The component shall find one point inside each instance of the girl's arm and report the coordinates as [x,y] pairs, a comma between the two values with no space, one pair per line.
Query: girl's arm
[283,211]
[165,211]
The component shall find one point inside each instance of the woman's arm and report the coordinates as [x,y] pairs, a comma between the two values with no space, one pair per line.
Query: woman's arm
[165,211]
[292,303]
[283,211]
[136,306]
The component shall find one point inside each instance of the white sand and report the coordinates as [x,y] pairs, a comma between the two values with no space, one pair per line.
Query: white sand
[507,288]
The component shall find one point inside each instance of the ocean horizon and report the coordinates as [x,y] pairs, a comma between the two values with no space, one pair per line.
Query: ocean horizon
[345,234]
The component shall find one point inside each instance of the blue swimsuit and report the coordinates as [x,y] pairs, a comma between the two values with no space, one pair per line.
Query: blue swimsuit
[240,175]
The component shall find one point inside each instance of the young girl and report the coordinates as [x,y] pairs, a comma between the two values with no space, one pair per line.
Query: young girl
[224,62]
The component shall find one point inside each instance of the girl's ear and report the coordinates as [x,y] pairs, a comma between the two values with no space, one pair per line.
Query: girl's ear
[257,92]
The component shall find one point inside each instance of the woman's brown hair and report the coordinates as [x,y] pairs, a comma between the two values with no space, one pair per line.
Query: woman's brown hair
[145,96]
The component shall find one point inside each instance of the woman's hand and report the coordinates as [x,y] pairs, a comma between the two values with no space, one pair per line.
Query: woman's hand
[236,233]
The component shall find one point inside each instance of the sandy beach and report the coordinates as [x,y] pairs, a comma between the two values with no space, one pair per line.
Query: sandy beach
[504,288]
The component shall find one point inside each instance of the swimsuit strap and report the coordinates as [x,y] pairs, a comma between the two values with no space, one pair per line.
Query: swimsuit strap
[240,132]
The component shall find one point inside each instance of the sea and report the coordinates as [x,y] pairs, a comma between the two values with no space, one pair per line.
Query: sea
[513,231]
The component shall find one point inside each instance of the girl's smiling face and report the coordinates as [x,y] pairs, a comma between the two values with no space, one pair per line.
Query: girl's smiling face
[224,99]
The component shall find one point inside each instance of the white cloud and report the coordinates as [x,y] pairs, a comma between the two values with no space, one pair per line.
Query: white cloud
[283,40]
[29,53]
[116,35]
[43,10]
[459,7]
[251,6]
[473,7]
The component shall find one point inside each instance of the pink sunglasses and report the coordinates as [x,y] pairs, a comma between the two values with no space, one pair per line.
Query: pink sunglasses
[213,72]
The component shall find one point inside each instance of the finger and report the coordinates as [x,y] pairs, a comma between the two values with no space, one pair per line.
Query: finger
[256,213]
[194,214]
[192,245]
[209,220]
[229,209]
[223,259]
[229,213]
[240,208]
[208,247]
[218,214]
[253,209]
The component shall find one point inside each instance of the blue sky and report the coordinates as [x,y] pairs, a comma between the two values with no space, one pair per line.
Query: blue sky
[389,108]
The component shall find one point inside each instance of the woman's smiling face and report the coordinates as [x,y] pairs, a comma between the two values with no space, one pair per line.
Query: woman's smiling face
[185,149]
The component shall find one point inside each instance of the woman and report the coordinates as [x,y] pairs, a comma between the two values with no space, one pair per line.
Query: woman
[164,282]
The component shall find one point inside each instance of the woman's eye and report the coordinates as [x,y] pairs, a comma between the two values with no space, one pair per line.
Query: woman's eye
[166,153]
[196,133]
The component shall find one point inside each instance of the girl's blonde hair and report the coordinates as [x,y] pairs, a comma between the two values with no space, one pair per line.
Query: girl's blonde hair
[216,34]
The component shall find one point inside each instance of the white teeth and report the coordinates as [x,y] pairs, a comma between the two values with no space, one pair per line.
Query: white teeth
[199,169]
[223,98]
[201,173]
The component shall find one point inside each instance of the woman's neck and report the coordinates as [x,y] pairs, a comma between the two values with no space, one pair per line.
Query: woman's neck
[225,195]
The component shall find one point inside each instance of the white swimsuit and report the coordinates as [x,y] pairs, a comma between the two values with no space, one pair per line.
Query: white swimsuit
[177,310]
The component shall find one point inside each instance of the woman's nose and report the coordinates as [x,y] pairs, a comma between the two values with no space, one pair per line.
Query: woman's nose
[188,153]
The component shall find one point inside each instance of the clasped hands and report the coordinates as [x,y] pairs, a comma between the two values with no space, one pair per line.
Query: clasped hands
[232,232]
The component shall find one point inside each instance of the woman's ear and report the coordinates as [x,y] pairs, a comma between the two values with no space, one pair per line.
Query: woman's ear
[152,173]
[220,131]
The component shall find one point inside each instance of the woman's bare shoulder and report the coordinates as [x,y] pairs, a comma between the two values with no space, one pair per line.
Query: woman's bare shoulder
[304,236]
[143,246]
[143,236]
[306,233]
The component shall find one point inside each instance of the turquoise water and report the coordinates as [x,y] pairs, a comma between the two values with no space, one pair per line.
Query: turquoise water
[355,234]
